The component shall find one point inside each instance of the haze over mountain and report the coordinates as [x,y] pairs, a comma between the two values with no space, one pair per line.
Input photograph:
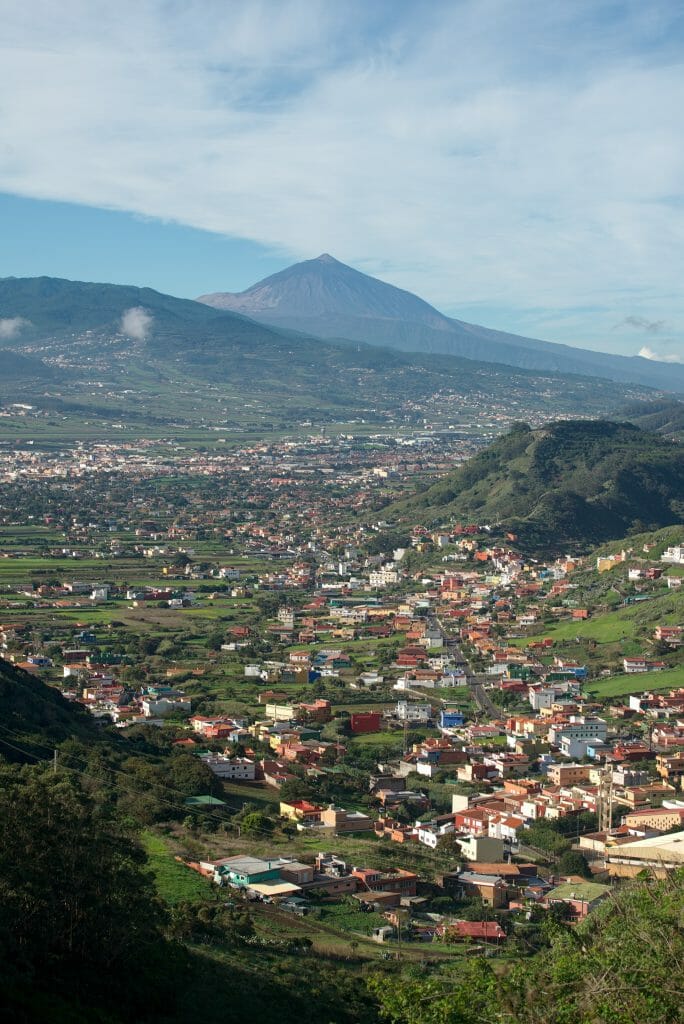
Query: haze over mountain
[326,298]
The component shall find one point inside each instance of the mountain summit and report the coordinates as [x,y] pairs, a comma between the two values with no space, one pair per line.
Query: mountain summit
[324,287]
[329,299]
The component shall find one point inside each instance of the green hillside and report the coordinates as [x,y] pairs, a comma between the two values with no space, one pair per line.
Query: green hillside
[52,307]
[151,347]
[663,416]
[17,367]
[32,713]
[572,483]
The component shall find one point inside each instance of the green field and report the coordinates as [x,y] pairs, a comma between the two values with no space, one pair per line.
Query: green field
[611,627]
[348,916]
[382,740]
[619,686]
[175,883]
[238,793]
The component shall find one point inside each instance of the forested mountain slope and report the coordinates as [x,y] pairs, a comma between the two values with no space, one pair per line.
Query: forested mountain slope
[574,482]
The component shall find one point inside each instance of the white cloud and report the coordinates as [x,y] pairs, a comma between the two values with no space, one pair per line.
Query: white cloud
[12,326]
[648,353]
[479,152]
[136,323]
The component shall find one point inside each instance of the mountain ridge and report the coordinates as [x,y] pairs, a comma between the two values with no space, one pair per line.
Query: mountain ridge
[329,299]
[566,484]
[88,331]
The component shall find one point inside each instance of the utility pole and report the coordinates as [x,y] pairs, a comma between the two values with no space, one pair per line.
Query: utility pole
[402,915]
[54,761]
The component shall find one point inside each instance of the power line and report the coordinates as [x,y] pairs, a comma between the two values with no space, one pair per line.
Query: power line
[115,771]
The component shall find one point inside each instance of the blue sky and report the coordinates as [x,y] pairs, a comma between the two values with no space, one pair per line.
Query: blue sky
[518,164]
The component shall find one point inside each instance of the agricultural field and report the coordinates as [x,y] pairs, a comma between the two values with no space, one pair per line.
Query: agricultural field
[347,915]
[623,685]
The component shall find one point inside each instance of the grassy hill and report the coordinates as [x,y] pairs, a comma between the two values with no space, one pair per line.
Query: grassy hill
[17,367]
[569,484]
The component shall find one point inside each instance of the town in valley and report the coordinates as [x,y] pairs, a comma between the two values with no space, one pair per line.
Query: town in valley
[401,740]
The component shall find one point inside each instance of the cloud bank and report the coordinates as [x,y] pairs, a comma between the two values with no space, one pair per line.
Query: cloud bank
[527,156]
[136,323]
[12,326]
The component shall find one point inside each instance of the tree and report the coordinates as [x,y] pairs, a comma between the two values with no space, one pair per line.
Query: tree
[210,922]
[466,996]
[215,640]
[74,900]
[268,604]
[145,646]
[449,849]
[573,863]
[589,972]
[544,837]
[256,824]
[296,789]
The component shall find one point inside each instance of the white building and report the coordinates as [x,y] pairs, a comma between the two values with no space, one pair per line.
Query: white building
[406,683]
[239,768]
[579,727]
[280,712]
[430,832]
[432,639]
[228,572]
[506,827]
[165,706]
[482,848]
[413,712]
[541,697]
[384,576]
[370,679]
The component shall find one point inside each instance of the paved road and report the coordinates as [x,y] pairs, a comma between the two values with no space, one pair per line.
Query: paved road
[481,699]
[473,680]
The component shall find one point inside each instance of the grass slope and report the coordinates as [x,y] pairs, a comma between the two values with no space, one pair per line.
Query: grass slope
[622,685]
[174,882]
[571,483]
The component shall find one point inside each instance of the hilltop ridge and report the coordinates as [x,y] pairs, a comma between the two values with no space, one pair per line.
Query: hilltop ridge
[567,483]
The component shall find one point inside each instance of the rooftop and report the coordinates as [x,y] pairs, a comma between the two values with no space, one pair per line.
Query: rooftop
[587,892]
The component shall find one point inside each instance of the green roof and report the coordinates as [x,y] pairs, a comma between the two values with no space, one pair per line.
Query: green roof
[587,892]
[204,801]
